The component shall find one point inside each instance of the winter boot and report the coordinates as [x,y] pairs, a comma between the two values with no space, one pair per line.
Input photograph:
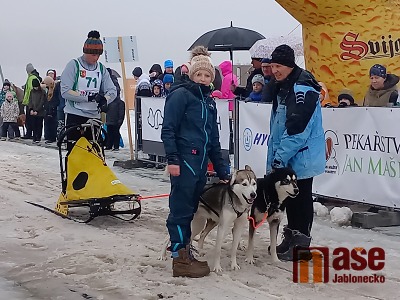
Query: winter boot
[284,245]
[298,241]
[184,264]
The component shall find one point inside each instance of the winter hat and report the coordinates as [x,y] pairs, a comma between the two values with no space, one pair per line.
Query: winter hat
[35,82]
[266,61]
[217,94]
[258,78]
[378,70]
[51,71]
[137,72]
[29,68]
[168,64]
[346,94]
[201,62]
[93,44]
[168,78]
[283,55]
[155,68]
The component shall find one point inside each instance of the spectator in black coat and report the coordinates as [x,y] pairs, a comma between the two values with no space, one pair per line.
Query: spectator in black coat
[244,92]
[114,119]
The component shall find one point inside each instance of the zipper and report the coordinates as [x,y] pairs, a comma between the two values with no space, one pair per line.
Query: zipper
[189,167]
[203,108]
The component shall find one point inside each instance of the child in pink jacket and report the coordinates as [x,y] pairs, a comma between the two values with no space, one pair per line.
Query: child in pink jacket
[228,77]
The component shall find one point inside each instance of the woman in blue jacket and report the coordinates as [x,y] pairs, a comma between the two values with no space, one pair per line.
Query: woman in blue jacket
[190,136]
[297,141]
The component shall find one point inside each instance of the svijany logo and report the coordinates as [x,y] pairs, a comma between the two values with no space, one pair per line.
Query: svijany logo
[355,265]
[355,49]
[249,139]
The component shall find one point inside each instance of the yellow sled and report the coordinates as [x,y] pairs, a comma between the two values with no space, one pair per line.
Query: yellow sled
[87,181]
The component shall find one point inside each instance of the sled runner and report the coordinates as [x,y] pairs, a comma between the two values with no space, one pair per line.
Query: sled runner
[88,182]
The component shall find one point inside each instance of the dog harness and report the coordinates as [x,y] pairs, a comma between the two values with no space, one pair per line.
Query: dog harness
[230,192]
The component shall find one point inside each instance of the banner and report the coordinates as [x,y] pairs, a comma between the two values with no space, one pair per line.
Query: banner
[344,39]
[362,151]
[153,116]
[362,156]
[253,135]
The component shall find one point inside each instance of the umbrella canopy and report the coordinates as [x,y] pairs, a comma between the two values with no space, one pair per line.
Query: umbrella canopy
[263,48]
[228,39]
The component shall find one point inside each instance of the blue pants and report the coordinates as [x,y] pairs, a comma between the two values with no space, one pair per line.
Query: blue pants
[186,190]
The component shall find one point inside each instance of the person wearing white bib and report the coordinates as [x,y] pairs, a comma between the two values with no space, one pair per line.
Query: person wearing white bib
[86,86]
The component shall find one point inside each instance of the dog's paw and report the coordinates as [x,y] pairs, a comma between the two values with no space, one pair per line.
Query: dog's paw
[250,260]
[217,269]
[235,267]
[242,246]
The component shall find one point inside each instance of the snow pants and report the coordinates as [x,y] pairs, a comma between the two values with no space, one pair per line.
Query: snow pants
[299,210]
[186,190]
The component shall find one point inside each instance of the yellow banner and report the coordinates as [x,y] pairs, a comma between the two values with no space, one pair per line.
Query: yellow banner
[344,38]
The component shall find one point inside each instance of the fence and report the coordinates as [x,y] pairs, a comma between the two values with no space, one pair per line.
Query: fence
[362,146]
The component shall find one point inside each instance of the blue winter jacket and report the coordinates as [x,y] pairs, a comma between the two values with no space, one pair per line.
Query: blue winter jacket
[297,136]
[190,130]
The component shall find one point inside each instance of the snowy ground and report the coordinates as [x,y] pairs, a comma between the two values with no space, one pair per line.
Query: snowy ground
[43,256]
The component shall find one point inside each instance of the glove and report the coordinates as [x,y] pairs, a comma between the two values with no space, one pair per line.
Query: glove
[92,97]
[276,164]
[101,100]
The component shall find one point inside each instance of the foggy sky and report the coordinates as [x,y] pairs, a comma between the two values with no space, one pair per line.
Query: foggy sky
[48,33]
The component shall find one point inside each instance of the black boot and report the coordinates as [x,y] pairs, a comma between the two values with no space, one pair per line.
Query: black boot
[297,242]
[284,245]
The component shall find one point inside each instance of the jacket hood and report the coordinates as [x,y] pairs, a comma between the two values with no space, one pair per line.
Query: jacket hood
[226,67]
[391,81]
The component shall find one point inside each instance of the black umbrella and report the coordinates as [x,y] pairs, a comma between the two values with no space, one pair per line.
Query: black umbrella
[228,39]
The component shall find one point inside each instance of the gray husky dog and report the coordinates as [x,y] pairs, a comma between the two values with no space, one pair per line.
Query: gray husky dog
[224,205]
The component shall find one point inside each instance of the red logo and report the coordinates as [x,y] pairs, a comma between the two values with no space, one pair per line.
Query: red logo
[350,261]
[82,73]
[354,48]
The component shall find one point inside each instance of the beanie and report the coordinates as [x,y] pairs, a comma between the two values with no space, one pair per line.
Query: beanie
[346,94]
[258,78]
[283,55]
[217,94]
[378,70]
[266,61]
[168,64]
[155,68]
[137,72]
[29,68]
[168,78]
[201,62]
[35,82]
[93,44]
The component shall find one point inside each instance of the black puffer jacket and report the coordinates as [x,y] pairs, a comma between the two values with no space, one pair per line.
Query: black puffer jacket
[116,112]
[190,131]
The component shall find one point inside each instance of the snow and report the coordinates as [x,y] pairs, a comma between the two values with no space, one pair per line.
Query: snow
[341,215]
[43,256]
[320,210]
